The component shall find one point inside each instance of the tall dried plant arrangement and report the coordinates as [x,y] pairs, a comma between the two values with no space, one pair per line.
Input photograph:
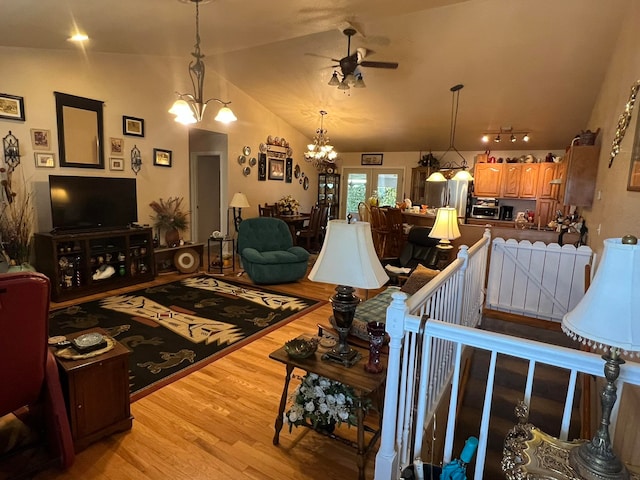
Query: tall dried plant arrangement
[17,218]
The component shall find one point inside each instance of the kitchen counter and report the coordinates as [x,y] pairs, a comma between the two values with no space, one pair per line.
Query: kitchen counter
[420,219]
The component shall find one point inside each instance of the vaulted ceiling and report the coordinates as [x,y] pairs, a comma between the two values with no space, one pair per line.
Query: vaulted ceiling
[533,65]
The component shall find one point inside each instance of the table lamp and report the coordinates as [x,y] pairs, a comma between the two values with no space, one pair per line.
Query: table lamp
[445,227]
[608,318]
[238,201]
[349,260]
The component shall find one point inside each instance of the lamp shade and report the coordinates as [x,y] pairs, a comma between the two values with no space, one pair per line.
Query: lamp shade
[463,175]
[239,200]
[436,177]
[225,115]
[348,257]
[609,313]
[446,224]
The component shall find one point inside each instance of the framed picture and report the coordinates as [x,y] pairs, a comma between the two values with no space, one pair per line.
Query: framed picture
[40,139]
[45,160]
[162,158]
[371,159]
[288,170]
[116,163]
[117,146]
[133,126]
[262,167]
[11,107]
[276,169]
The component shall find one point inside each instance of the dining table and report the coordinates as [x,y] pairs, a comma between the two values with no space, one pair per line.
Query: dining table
[295,222]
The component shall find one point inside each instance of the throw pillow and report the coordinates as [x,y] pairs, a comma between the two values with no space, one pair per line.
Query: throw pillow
[418,279]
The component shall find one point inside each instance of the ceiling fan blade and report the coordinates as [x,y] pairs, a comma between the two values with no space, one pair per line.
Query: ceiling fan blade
[391,65]
[320,56]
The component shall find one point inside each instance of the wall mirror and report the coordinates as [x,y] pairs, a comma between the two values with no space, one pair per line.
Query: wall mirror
[80,131]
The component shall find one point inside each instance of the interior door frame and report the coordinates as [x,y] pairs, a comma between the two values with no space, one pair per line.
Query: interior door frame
[371,174]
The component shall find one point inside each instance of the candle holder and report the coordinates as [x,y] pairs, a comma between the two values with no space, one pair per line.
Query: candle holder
[376,339]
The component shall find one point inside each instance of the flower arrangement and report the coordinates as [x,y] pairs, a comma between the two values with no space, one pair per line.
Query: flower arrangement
[288,205]
[169,214]
[321,402]
[16,223]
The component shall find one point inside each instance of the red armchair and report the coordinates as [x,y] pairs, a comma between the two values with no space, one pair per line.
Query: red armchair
[28,370]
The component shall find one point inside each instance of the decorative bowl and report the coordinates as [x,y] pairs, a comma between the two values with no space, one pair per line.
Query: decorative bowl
[301,348]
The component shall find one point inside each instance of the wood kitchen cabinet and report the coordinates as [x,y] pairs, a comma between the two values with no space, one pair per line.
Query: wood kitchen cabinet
[511,178]
[547,172]
[96,392]
[545,210]
[487,180]
[529,180]
[579,182]
[419,177]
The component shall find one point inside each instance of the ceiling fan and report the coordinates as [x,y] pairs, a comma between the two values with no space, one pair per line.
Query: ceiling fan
[349,65]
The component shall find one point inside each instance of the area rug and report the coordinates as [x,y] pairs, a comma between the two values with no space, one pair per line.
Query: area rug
[176,328]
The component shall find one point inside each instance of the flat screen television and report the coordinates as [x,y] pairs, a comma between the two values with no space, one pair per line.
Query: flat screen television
[92,203]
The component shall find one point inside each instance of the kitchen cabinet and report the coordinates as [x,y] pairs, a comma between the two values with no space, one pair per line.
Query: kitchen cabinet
[579,182]
[329,192]
[529,180]
[487,180]
[545,211]
[519,180]
[72,261]
[419,177]
[547,172]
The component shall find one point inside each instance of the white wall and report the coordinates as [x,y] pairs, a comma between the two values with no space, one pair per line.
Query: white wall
[142,87]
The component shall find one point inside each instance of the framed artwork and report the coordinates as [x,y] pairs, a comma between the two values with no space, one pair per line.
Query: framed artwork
[262,167]
[371,159]
[40,139]
[276,169]
[45,160]
[133,126]
[11,107]
[117,146]
[288,170]
[116,163]
[162,158]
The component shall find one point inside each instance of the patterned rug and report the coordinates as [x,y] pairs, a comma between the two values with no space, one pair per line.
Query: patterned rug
[179,327]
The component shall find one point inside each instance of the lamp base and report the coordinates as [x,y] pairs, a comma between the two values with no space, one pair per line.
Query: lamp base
[344,304]
[591,466]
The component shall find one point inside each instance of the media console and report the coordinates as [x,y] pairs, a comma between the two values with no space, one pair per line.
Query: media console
[83,263]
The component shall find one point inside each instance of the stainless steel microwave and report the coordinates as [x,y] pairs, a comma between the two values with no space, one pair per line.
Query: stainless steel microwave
[485,211]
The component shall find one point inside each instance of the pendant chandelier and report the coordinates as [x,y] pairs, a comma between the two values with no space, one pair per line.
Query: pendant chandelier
[320,151]
[189,108]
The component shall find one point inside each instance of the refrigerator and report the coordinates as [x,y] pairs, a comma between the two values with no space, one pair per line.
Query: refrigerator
[453,193]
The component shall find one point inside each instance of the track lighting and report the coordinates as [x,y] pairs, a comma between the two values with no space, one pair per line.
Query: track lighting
[497,136]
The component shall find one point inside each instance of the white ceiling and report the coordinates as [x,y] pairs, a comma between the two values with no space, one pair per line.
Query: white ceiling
[534,65]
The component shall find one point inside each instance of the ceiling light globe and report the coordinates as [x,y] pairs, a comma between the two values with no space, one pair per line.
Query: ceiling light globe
[180,107]
[485,138]
[225,115]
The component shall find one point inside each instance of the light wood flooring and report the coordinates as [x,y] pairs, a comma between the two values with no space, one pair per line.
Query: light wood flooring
[219,421]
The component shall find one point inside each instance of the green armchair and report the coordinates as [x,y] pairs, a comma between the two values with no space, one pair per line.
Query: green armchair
[267,251]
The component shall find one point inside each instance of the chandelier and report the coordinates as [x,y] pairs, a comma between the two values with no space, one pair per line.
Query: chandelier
[189,108]
[320,151]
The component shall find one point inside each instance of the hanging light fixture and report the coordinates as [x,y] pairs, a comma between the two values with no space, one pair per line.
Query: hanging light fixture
[320,151]
[189,108]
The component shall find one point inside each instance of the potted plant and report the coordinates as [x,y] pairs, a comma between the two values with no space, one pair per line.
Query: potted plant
[16,225]
[170,218]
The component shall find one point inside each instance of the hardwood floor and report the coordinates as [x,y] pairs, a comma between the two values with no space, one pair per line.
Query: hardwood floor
[219,421]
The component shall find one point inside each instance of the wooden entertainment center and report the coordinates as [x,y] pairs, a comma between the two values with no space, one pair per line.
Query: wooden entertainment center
[73,260]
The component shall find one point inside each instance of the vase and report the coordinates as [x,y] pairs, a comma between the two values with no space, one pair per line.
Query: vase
[376,339]
[326,428]
[172,237]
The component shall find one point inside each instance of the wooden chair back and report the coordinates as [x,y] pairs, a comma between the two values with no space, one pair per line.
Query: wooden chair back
[267,210]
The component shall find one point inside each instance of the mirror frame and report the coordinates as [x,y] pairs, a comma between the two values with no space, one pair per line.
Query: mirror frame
[66,100]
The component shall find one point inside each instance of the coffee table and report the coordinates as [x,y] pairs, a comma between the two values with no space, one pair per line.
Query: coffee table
[366,385]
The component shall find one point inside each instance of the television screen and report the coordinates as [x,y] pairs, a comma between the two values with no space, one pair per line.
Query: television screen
[86,203]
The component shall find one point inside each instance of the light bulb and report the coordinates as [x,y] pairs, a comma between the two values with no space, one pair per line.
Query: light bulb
[485,138]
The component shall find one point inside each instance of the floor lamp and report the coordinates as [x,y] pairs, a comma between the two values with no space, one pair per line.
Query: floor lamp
[348,259]
[239,201]
[607,319]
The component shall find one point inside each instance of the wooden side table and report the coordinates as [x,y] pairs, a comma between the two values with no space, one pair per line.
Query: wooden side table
[96,392]
[364,384]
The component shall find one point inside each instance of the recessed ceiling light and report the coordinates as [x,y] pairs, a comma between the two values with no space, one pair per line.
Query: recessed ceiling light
[78,37]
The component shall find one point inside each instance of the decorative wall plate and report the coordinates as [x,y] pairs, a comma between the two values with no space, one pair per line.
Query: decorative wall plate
[242,159]
[289,152]
[253,161]
[246,150]
[305,183]
[262,148]
[246,171]
[296,171]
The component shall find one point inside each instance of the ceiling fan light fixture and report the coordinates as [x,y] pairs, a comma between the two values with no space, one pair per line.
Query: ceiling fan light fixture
[359,82]
[334,82]
[343,85]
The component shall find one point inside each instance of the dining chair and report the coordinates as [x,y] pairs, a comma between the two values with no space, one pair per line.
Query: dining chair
[311,232]
[267,210]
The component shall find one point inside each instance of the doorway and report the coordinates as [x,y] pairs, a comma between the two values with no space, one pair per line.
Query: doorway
[208,171]
[362,183]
